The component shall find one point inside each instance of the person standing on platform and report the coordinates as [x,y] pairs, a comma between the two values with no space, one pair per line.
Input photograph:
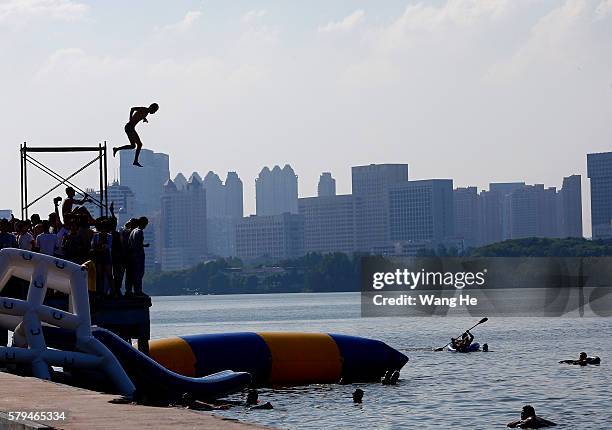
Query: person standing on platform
[7,239]
[70,201]
[119,252]
[137,247]
[25,238]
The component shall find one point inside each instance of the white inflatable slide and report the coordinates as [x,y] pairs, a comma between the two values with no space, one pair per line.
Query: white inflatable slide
[25,318]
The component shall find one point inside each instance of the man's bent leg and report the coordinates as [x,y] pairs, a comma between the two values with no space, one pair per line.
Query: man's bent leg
[121,148]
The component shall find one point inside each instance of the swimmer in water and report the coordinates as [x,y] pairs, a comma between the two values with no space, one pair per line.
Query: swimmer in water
[358,396]
[529,420]
[583,360]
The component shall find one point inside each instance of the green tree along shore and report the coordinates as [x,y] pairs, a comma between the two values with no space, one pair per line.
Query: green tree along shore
[544,247]
[313,273]
[335,272]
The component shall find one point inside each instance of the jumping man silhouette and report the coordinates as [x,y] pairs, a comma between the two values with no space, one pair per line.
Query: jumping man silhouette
[137,114]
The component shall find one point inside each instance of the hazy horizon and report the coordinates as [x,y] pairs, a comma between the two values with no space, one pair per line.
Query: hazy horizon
[476,91]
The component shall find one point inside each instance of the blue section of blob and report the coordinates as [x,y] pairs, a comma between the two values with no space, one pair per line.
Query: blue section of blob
[366,359]
[240,352]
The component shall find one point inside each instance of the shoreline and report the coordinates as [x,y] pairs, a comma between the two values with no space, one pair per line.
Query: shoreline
[94,410]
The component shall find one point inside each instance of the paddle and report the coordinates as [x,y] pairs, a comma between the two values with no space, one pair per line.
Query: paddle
[482,321]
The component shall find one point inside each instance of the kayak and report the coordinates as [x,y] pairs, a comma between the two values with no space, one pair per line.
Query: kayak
[472,348]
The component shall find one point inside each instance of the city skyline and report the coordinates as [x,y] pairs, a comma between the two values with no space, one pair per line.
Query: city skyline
[386,214]
[166,163]
[477,91]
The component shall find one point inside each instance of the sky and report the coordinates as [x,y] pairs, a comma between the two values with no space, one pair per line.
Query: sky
[474,90]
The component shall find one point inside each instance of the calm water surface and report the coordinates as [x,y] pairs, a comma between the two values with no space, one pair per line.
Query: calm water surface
[437,389]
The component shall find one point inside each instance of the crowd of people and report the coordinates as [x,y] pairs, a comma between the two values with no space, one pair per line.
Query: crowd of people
[118,253]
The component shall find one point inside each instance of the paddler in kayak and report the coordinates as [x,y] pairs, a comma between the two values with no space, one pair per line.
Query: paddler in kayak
[463,344]
[529,420]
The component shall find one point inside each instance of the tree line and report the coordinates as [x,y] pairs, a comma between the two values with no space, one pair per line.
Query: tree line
[336,272]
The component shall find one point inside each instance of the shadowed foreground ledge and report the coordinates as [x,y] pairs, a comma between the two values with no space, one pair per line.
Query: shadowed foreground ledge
[92,410]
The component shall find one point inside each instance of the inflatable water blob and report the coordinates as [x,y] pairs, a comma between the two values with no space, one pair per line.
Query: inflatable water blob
[281,358]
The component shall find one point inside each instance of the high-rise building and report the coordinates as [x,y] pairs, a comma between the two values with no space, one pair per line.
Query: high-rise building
[6,213]
[224,209]
[599,171]
[183,225]
[329,223]
[571,206]
[274,236]
[370,185]
[234,200]
[146,182]
[516,210]
[490,217]
[195,176]
[503,191]
[421,211]
[528,214]
[180,181]
[327,185]
[221,236]
[467,209]
[121,197]
[276,191]
[215,196]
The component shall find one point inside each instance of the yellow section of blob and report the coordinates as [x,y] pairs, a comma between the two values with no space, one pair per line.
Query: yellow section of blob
[303,358]
[175,354]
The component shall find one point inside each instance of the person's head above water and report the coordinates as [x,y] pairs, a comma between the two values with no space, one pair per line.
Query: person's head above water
[358,395]
[583,356]
[527,412]
[252,397]
[153,108]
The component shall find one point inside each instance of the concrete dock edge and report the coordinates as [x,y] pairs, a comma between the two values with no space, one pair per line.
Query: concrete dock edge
[95,411]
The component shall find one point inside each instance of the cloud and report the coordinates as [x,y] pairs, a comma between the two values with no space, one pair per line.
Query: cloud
[452,12]
[347,24]
[556,41]
[253,15]
[604,9]
[17,10]
[186,23]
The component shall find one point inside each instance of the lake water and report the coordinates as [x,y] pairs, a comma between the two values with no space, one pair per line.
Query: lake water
[436,389]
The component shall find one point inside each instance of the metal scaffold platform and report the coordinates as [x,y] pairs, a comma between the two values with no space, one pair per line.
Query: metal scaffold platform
[28,159]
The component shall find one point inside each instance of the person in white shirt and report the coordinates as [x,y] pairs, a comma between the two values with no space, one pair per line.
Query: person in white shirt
[136,264]
[61,234]
[46,243]
[25,238]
